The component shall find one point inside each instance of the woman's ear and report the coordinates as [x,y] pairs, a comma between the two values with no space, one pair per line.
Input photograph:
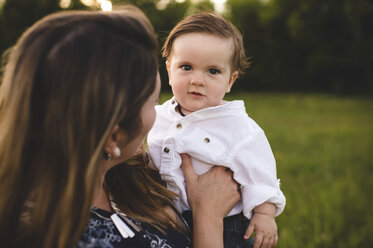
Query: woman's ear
[112,142]
[231,81]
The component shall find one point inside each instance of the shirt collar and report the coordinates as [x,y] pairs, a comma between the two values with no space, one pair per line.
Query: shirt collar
[228,105]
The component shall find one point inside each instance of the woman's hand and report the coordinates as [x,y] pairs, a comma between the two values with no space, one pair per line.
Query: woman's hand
[211,196]
[215,191]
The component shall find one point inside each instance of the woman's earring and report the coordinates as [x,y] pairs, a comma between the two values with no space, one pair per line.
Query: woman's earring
[108,156]
[117,152]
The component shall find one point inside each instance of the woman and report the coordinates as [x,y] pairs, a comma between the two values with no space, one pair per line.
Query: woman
[138,195]
[77,98]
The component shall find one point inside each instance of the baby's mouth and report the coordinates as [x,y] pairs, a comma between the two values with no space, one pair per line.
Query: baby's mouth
[195,93]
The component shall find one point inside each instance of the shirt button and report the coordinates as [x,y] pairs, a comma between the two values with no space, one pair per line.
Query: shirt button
[178,125]
[207,140]
[166,150]
[173,102]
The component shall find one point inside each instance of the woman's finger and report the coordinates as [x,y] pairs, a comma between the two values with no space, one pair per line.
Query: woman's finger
[187,168]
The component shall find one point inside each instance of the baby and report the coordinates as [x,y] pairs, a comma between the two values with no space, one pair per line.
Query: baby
[205,55]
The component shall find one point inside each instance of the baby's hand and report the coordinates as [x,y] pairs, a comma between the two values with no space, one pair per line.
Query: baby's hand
[265,230]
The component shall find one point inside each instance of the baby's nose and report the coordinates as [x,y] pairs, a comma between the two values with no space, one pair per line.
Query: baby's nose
[198,79]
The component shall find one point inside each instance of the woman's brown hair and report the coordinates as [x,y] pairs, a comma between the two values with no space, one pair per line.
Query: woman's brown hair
[138,191]
[69,79]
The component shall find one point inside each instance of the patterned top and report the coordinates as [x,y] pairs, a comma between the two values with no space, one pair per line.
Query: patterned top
[101,232]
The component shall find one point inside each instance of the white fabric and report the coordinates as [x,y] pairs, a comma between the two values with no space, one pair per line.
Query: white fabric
[221,135]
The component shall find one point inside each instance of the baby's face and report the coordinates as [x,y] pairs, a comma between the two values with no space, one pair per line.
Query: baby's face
[199,70]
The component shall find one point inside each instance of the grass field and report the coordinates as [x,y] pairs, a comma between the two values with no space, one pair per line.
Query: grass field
[324,151]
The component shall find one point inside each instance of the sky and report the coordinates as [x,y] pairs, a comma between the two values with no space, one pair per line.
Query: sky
[106,4]
[219,5]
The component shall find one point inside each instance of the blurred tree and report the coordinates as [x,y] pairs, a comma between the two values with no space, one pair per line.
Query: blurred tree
[306,45]
[330,35]
[295,45]
[17,15]
[245,15]
[204,5]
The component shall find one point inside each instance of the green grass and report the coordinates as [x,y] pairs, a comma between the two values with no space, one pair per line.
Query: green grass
[324,151]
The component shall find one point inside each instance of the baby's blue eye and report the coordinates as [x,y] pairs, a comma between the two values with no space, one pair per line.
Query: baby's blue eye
[214,71]
[186,67]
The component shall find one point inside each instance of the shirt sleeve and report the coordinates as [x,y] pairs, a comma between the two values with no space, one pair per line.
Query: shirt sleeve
[254,168]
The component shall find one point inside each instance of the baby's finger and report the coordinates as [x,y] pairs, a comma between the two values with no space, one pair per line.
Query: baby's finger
[249,231]
[265,243]
[275,241]
[271,243]
[258,240]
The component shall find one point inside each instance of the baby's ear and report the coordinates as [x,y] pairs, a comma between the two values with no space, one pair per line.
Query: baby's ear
[168,66]
[231,81]
[168,72]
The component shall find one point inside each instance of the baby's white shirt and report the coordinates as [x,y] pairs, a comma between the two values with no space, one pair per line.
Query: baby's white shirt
[222,135]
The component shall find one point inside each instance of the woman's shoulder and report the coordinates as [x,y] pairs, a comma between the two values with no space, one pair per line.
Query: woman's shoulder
[101,232]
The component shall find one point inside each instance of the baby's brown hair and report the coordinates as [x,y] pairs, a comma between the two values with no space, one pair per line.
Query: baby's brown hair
[210,23]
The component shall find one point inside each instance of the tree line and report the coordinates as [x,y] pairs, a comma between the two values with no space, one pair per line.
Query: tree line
[294,45]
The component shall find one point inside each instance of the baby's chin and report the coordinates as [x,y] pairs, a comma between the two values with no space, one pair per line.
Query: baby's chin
[191,110]
[193,106]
